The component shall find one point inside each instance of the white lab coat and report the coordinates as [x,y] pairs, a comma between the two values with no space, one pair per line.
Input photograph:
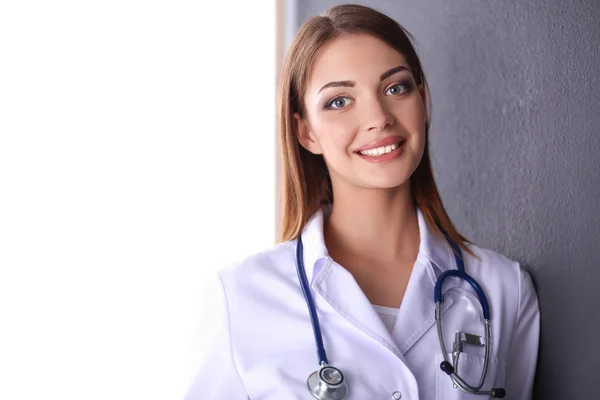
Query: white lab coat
[266,348]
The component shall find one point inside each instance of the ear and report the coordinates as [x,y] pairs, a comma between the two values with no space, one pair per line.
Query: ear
[305,135]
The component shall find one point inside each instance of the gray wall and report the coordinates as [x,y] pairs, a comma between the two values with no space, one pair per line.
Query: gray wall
[516,151]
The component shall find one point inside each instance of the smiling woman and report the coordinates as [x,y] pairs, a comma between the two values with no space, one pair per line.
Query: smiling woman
[366,247]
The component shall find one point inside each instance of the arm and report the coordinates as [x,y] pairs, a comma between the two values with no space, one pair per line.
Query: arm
[522,360]
[218,378]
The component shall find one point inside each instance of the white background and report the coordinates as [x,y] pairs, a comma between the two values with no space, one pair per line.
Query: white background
[137,156]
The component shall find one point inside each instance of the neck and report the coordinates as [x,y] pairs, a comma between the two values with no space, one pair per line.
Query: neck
[380,225]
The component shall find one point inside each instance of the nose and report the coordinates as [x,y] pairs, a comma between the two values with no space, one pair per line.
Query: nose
[377,116]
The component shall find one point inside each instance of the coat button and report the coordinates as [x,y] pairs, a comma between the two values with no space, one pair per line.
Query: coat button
[396,395]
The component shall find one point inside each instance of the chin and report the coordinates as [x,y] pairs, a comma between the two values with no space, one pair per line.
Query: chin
[389,183]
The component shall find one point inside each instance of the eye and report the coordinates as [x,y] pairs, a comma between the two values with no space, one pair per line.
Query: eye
[337,103]
[398,88]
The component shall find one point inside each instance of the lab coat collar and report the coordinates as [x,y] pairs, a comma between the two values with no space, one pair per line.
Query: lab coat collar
[315,252]
[432,247]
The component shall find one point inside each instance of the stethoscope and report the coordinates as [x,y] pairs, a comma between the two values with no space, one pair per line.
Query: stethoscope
[329,383]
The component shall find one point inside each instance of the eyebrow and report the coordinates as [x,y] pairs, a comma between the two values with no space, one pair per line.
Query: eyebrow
[383,76]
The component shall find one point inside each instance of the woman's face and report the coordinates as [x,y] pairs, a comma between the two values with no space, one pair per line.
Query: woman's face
[362,102]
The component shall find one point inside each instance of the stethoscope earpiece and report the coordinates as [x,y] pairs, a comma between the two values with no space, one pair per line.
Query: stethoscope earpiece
[447,367]
[327,383]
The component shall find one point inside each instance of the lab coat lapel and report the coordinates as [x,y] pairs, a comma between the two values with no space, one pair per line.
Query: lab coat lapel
[339,288]
[417,312]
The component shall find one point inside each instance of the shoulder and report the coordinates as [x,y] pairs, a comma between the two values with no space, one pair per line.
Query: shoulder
[487,261]
[274,262]
[254,288]
[500,274]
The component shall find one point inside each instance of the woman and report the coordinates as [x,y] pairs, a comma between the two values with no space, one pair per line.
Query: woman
[374,238]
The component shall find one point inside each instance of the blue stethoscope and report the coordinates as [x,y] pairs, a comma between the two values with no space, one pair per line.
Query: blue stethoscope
[329,383]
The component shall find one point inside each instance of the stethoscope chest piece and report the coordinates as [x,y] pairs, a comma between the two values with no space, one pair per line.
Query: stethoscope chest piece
[327,383]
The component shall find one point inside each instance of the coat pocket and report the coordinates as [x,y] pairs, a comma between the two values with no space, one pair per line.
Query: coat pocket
[470,368]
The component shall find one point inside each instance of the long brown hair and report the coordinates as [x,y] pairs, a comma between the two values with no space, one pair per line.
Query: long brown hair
[306,180]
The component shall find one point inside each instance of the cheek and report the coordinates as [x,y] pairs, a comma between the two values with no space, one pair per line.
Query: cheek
[334,135]
[413,114]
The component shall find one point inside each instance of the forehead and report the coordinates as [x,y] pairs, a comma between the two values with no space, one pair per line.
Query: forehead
[353,57]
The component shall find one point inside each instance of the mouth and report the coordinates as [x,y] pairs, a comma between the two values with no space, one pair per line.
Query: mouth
[379,151]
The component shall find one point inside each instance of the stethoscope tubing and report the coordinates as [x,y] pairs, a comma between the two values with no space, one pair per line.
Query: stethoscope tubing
[460,273]
[314,319]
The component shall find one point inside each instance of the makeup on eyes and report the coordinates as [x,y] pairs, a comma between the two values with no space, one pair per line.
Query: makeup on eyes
[406,83]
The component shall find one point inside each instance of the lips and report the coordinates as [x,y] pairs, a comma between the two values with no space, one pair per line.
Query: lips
[386,141]
[379,156]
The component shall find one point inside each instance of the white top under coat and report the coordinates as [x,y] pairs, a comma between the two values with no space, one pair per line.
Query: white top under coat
[388,316]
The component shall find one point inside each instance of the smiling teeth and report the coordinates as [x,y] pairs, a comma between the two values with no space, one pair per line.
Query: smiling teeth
[380,150]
